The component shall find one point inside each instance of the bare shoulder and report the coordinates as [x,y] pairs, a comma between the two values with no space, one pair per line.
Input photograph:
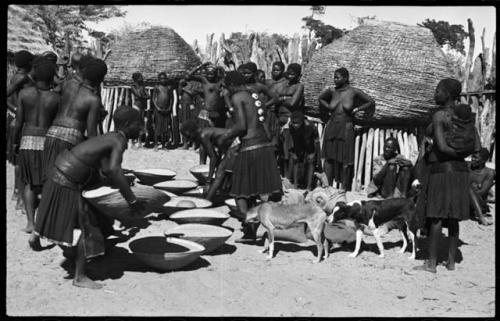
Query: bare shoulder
[440,116]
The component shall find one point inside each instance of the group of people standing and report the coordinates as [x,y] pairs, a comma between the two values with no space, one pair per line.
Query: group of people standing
[253,130]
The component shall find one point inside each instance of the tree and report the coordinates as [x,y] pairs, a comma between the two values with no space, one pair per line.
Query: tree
[62,25]
[445,33]
[325,33]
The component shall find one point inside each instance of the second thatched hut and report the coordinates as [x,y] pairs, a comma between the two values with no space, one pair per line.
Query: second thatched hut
[398,65]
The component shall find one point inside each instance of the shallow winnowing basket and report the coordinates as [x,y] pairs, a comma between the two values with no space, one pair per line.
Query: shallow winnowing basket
[396,64]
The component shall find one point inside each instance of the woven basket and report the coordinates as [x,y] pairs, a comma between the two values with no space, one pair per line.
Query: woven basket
[165,254]
[397,65]
[110,202]
[149,52]
[211,237]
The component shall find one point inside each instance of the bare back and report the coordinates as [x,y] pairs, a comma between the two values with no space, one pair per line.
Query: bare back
[253,125]
[39,106]
[81,104]
[211,93]
[96,152]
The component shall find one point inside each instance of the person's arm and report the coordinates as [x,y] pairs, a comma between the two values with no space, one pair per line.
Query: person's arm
[379,170]
[486,184]
[324,103]
[214,157]
[115,173]
[16,83]
[240,125]
[439,139]
[93,117]
[368,101]
[19,121]
[273,98]
[296,97]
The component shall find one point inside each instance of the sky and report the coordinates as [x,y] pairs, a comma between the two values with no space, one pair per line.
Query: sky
[196,21]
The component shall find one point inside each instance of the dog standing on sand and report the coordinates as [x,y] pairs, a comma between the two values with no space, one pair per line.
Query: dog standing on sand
[280,216]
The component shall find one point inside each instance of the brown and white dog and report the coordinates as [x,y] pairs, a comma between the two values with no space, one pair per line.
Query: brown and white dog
[281,216]
[378,217]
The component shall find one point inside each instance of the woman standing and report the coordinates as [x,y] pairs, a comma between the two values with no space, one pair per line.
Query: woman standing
[339,106]
[446,193]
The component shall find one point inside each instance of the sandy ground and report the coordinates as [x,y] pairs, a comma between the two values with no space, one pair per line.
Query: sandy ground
[237,280]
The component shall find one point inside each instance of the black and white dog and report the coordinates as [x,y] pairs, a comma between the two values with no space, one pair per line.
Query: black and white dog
[378,217]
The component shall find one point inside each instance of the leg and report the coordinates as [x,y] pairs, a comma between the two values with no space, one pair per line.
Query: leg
[405,240]
[81,280]
[389,183]
[329,171]
[310,171]
[359,236]
[380,245]
[403,180]
[217,182]
[413,240]
[34,242]
[435,232]
[203,155]
[266,243]
[317,234]
[270,234]
[477,207]
[293,168]
[18,189]
[347,177]
[248,230]
[29,203]
[453,229]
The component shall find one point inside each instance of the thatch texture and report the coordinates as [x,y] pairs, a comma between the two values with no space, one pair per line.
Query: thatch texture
[396,64]
[149,52]
[22,34]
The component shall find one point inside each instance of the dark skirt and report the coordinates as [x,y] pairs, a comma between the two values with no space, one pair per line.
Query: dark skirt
[255,172]
[30,167]
[447,195]
[186,112]
[286,143]
[162,122]
[51,149]
[57,214]
[339,146]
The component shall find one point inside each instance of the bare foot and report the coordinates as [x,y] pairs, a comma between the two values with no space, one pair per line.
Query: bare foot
[450,266]
[425,267]
[15,196]
[85,282]
[20,205]
[34,243]
[28,229]
[485,221]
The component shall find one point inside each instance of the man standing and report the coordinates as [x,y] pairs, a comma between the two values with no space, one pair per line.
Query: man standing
[140,101]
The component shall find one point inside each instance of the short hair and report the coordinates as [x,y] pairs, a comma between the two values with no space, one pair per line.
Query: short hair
[295,67]
[463,111]
[43,69]
[452,86]
[162,74]
[94,70]
[394,140]
[297,115]
[280,64]
[136,75]
[51,55]
[251,66]
[343,72]
[189,126]
[260,72]
[124,115]
[76,60]
[23,59]
[240,67]
[234,78]
[484,153]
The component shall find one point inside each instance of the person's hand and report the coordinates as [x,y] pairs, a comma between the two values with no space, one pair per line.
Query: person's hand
[403,162]
[392,161]
[137,207]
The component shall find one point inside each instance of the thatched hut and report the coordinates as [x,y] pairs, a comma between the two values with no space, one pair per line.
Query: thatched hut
[397,64]
[149,52]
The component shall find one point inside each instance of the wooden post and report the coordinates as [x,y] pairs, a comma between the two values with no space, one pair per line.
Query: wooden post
[361,161]
[399,137]
[406,145]
[493,58]
[470,54]
[369,155]
[381,142]
[376,139]
[354,186]
[127,96]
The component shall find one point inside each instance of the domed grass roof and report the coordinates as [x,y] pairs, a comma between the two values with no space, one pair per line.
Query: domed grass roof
[149,52]
[398,65]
